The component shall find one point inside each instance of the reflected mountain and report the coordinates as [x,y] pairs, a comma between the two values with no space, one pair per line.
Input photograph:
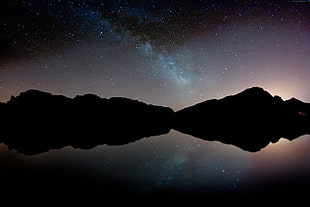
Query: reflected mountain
[249,120]
[36,121]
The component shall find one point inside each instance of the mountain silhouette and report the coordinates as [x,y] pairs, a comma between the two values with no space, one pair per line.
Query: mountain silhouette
[249,120]
[36,121]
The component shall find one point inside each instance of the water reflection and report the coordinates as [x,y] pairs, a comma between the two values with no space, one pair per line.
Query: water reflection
[173,164]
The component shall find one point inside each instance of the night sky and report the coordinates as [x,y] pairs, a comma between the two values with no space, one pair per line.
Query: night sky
[172,53]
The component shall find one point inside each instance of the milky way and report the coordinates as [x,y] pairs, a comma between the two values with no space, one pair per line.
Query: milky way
[169,53]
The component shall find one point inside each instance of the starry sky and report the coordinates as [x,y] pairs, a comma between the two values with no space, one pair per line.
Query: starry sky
[172,53]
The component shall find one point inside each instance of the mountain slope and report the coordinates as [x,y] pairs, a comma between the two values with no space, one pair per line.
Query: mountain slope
[37,121]
[250,119]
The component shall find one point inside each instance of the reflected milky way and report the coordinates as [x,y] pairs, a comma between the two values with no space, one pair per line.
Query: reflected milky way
[174,161]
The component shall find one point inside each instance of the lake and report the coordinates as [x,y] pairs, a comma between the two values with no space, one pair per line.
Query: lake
[174,166]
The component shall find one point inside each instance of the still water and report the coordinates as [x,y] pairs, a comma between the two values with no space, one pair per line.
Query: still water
[172,165]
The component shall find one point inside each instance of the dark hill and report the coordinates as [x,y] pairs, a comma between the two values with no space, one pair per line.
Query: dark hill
[250,120]
[36,121]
